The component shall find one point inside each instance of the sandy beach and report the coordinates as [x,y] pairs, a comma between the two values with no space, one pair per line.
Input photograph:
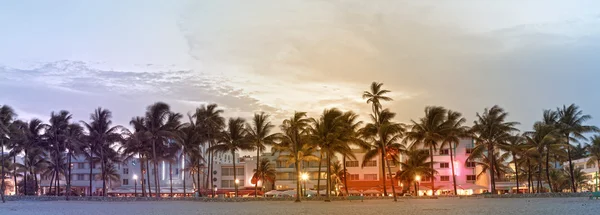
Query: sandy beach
[413,206]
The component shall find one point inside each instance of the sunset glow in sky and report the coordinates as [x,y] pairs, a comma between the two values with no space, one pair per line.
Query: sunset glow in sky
[304,55]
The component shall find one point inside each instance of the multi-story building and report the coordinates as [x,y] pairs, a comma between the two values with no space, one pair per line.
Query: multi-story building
[591,174]
[369,177]
[466,172]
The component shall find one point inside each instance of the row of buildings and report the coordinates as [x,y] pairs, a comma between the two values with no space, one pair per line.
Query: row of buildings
[362,180]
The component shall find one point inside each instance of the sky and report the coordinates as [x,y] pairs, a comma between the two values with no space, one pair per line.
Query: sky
[299,55]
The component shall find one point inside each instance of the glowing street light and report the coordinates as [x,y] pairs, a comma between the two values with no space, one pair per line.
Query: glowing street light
[418,179]
[304,178]
[237,181]
[135,186]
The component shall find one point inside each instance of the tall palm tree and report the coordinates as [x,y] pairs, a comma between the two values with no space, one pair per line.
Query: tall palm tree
[416,164]
[293,139]
[327,132]
[259,134]
[232,140]
[73,143]
[265,172]
[430,132]
[351,135]
[540,139]
[7,116]
[490,129]
[101,135]
[571,122]
[384,138]
[454,131]
[190,139]
[210,122]
[159,126]
[594,150]
[515,145]
[57,138]
[374,97]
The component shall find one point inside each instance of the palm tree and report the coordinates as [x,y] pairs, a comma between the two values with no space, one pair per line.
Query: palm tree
[101,135]
[454,131]
[540,139]
[159,127]
[265,172]
[594,150]
[111,174]
[73,142]
[490,129]
[337,175]
[416,164]
[375,96]
[210,122]
[57,136]
[190,139]
[259,134]
[515,145]
[231,140]
[293,139]
[7,115]
[327,133]
[351,135]
[429,132]
[571,122]
[383,136]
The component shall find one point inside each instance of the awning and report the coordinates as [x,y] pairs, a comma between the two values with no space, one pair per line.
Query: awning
[470,187]
[139,190]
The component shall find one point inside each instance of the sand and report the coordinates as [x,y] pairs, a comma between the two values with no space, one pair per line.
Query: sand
[404,207]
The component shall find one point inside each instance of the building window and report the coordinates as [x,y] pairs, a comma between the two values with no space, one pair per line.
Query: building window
[351,163]
[80,165]
[371,177]
[231,183]
[426,178]
[444,165]
[125,181]
[80,177]
[353,177]
[444,178]
[444,151]
[176,171]
[228,171]
[471,178]
[470,164]
[371,163]
[590,165]
[469,150]
[125,171]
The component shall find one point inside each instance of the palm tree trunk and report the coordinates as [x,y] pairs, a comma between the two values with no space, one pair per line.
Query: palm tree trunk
[391,180]
[319,174]
[171,178]
[432,170]
[491,158]
[539,178]
[257,163]
[183,172]
[297,166]
[148,176]
[102,166]
[571,175]
[528,176]
[2,174]
[15,173]
[25,173]
[516,170]
[57,182]
[452,164]
[154,159]
[91,165]
[383,170]
[68,191]
[548,169]
[34,179]
[328,177]
[142,170]
[212,168]
[234,174]
[345,174]
[198,178]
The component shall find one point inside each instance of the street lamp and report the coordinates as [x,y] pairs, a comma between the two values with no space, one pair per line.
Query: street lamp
[418,179]
[237,181]
[135,182]
[304,178]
